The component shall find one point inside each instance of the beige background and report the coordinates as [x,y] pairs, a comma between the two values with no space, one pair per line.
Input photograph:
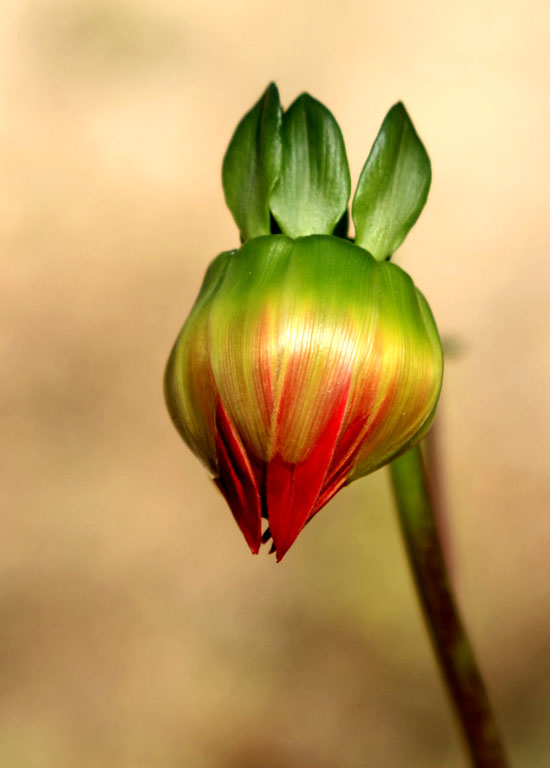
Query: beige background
[135,629]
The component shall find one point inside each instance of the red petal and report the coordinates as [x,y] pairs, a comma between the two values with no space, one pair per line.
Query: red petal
[292,489]
[349,444]
[237,480]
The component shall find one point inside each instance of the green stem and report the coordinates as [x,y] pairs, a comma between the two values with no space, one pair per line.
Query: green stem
[451,644]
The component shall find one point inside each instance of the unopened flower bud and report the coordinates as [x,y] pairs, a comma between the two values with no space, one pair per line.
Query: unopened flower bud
[305,363]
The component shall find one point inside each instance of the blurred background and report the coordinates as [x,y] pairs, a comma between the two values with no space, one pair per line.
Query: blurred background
[135,628]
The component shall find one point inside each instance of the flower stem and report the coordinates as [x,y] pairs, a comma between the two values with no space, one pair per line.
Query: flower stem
[452,647]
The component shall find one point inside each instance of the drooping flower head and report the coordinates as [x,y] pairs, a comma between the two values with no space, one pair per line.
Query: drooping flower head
[307,360]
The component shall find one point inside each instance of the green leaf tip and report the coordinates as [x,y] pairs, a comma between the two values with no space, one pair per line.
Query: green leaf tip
[393,186]
[252,164]
[313,189]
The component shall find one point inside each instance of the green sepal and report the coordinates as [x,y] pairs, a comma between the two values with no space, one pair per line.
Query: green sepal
[252,163]
[393,186]
[313,190]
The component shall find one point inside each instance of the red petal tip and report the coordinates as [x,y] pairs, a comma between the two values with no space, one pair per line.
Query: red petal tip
[292,490]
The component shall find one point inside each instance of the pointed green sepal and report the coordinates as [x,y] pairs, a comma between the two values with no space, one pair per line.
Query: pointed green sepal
[314,186]
[252,163]
[393,186]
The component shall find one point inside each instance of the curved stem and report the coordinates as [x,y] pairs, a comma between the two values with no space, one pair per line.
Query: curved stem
[451,644]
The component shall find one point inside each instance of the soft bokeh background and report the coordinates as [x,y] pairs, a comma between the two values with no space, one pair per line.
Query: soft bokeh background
[135,628]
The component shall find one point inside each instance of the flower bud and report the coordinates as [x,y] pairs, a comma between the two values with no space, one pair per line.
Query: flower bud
[303,365]
[307,360]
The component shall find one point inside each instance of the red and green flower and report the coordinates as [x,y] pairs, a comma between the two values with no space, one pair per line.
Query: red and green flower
[307,360]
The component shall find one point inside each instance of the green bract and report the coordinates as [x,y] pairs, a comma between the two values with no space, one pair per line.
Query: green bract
[252,165]
[393,186]
[312,191]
